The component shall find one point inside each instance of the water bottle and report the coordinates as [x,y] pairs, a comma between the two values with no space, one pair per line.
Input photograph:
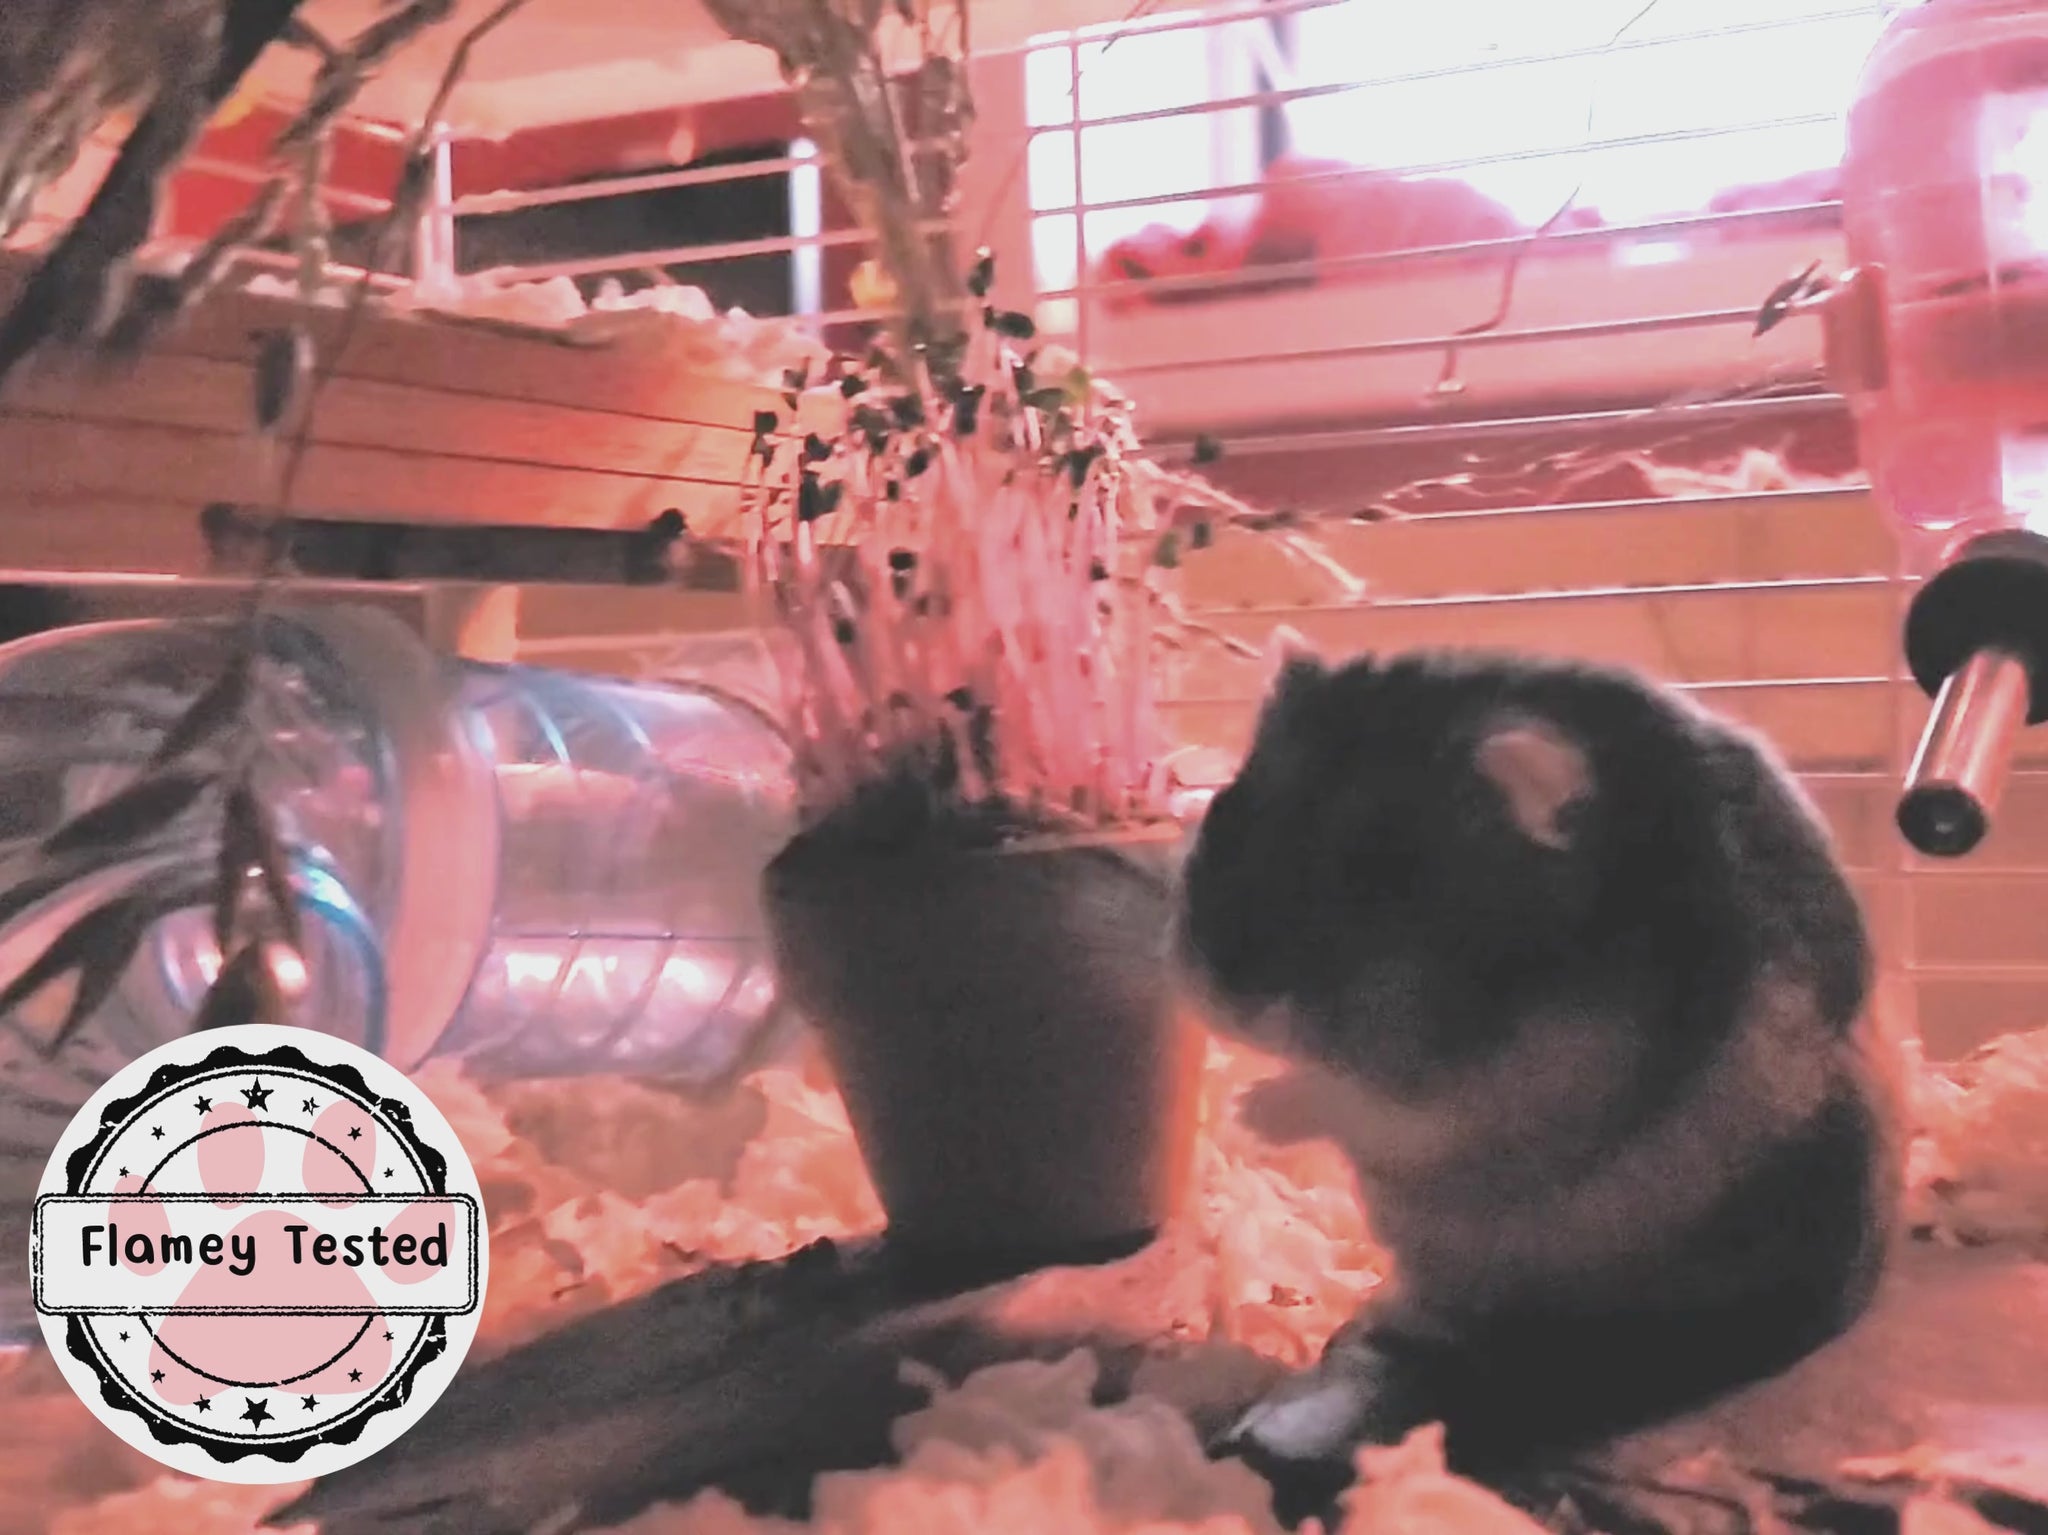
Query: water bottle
[538,872]
[1945,194]
[1938,337]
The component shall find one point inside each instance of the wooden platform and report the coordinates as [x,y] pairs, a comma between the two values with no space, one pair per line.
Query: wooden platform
[426,419]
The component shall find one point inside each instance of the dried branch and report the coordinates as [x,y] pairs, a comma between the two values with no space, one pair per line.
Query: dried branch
[893,143]
[68,297]
[211,750]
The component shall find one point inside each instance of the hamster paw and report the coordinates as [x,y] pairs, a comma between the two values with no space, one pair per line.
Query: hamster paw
[1301,1436]
[1319,1415]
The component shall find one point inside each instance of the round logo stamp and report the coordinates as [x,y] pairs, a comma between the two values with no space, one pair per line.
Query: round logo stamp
[259,1254]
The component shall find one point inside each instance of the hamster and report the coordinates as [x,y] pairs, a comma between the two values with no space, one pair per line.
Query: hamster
[1568,969]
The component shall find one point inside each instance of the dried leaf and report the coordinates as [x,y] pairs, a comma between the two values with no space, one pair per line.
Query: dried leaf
[1793,290]
[99,946]
[148,805]
[213,711]
[284,360]
[248,837]
[982,276]
[231,869]
[98,977]
[245,991]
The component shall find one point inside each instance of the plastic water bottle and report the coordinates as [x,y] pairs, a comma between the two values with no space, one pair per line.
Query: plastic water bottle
[1945,194]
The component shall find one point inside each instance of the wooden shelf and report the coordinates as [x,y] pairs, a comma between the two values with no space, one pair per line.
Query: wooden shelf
[425,419]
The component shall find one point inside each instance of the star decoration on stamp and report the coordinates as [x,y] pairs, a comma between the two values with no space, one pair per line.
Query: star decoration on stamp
[194,1284]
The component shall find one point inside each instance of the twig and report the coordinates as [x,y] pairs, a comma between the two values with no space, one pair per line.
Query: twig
[409,187]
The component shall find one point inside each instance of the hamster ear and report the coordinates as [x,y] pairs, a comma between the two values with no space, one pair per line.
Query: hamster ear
[1539,772]
[1292,663]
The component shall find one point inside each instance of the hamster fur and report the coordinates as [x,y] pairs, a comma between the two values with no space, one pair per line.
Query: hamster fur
[1568,969]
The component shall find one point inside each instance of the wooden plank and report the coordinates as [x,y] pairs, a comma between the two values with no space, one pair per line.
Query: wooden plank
[425,420]
[1624,544]
[654,373]
[1958,1015]
[649,374]
[1858,810]
[208,395]
[1820,725]
[1883,911]
[606,616]
[64,529]
[101,597]
[1962,917]
[1717,634]
[187,467]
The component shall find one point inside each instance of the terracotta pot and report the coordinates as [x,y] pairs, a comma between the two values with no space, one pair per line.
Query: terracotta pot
[1018,1073]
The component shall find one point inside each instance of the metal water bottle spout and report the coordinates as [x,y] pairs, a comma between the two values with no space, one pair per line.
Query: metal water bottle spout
[1977,643]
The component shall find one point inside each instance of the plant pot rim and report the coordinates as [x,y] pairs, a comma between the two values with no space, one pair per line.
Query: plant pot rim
[1121,834]
[1144,841]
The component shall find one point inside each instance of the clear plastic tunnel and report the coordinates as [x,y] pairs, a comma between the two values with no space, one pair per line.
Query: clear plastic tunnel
[540,872]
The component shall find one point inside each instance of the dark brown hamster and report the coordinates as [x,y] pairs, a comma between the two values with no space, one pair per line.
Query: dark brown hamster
[1569,970]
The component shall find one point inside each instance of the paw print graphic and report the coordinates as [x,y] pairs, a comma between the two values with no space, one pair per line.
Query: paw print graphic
[269,1220]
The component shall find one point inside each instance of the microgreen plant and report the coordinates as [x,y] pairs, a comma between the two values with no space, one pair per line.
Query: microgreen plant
[968,568]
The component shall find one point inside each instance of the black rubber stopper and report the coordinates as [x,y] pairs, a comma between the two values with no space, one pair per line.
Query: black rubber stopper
[1940,820]
[1993,596]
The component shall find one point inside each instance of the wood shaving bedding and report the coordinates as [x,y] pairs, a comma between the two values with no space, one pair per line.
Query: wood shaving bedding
[599,1189]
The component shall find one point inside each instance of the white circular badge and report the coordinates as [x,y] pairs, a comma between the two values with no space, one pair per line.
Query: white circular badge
[259,1254]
